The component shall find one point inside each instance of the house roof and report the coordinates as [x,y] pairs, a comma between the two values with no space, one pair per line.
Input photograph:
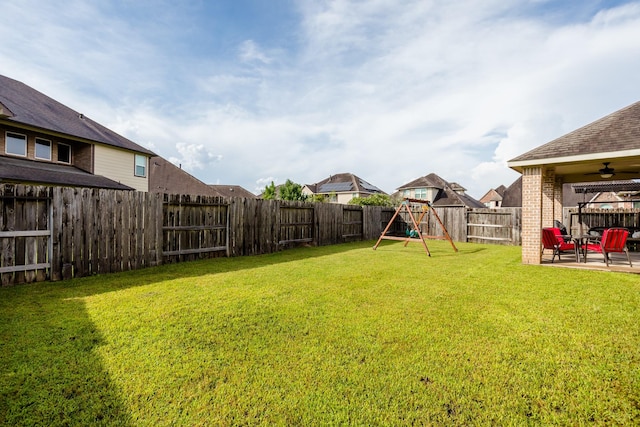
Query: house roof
[491,196]
[512,196]
[22,105]
[612,141]
[343,183]
[165,177]
[428,181]
[447,194]
[233,191]
[31,171]
[618,132]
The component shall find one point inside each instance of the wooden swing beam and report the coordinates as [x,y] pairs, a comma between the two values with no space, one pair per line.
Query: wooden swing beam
[421,237]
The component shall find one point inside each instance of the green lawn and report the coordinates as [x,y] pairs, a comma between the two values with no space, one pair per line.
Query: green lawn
[339,335]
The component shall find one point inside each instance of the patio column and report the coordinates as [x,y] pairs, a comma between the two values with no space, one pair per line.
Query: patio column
[532,214]
[557,200]
[549,211]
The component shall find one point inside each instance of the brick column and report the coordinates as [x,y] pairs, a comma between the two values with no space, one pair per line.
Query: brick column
[557,200]
[548,198]
[532,203]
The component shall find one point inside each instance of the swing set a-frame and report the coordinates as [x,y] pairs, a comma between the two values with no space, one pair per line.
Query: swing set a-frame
[415,234]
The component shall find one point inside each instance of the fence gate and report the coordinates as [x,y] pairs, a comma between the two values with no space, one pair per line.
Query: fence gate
[194,227]
[499,226]
[25,234]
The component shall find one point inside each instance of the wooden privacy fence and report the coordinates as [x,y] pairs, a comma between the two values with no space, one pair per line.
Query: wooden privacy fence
[499,226]
[55,233]
[629,218]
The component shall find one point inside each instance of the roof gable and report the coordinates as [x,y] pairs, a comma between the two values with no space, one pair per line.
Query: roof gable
[29,107]
[343,183]
[428,181]
[619,131]
[233,191]
[449,194]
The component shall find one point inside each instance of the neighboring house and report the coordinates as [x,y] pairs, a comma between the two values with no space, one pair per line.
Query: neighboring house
[45,142]
[165,177]
[493,198]
[341,188]
[438,191]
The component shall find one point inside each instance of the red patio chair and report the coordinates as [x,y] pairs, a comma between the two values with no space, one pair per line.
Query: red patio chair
[552,239]
[613,240]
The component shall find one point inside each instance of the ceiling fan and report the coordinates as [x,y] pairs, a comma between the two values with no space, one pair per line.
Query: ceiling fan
[607,172]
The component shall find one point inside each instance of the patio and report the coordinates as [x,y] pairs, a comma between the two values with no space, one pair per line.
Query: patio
[618,262]
[606,148]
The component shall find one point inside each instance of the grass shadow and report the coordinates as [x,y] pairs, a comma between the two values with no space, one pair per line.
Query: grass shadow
[50,373]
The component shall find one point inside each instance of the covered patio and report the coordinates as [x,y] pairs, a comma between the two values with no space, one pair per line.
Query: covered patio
[618,262]
[605,150]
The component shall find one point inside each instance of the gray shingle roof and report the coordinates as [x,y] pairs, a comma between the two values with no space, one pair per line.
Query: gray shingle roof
[619,131]
[27,106]
[447,194]
[24,170]
[343,182]
[232,191]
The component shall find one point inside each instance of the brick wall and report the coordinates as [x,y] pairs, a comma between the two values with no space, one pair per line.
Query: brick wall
[532,202]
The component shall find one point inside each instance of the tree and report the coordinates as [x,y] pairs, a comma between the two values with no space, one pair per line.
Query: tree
[269,192]
[373,200]
[292,191]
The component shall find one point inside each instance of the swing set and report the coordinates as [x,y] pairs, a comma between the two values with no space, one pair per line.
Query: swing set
[415,234]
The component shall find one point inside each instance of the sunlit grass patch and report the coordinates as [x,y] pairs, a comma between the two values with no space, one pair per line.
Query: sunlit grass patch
[330,335]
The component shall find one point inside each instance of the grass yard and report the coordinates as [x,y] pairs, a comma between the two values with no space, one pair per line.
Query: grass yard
[339,335]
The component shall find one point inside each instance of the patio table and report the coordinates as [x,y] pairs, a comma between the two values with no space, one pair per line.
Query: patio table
[581,240]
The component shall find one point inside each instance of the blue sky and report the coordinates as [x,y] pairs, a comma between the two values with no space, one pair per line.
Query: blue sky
[249,92]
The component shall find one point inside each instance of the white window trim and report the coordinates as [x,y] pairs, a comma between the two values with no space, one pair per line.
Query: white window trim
[58,153]
[6,145]
[135,165]
[35,151]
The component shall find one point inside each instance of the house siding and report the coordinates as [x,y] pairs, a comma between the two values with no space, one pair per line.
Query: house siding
[119,165]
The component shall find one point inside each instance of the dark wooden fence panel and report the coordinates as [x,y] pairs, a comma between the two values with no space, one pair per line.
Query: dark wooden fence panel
[97,231]
[25,233]
[194,227]
[352,223]
[254,226]
[601,218]
[296,223]
[499,226]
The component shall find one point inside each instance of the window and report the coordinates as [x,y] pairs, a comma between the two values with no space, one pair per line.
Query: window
[16,144]
[406,193]
[421,193]
[141,166]
[43,149]
[64,153]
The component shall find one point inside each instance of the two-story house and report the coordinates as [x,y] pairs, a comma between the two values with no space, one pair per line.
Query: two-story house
[437,191]
[45,142]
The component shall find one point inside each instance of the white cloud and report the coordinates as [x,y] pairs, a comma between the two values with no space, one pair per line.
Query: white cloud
[249,52]
[389,92]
